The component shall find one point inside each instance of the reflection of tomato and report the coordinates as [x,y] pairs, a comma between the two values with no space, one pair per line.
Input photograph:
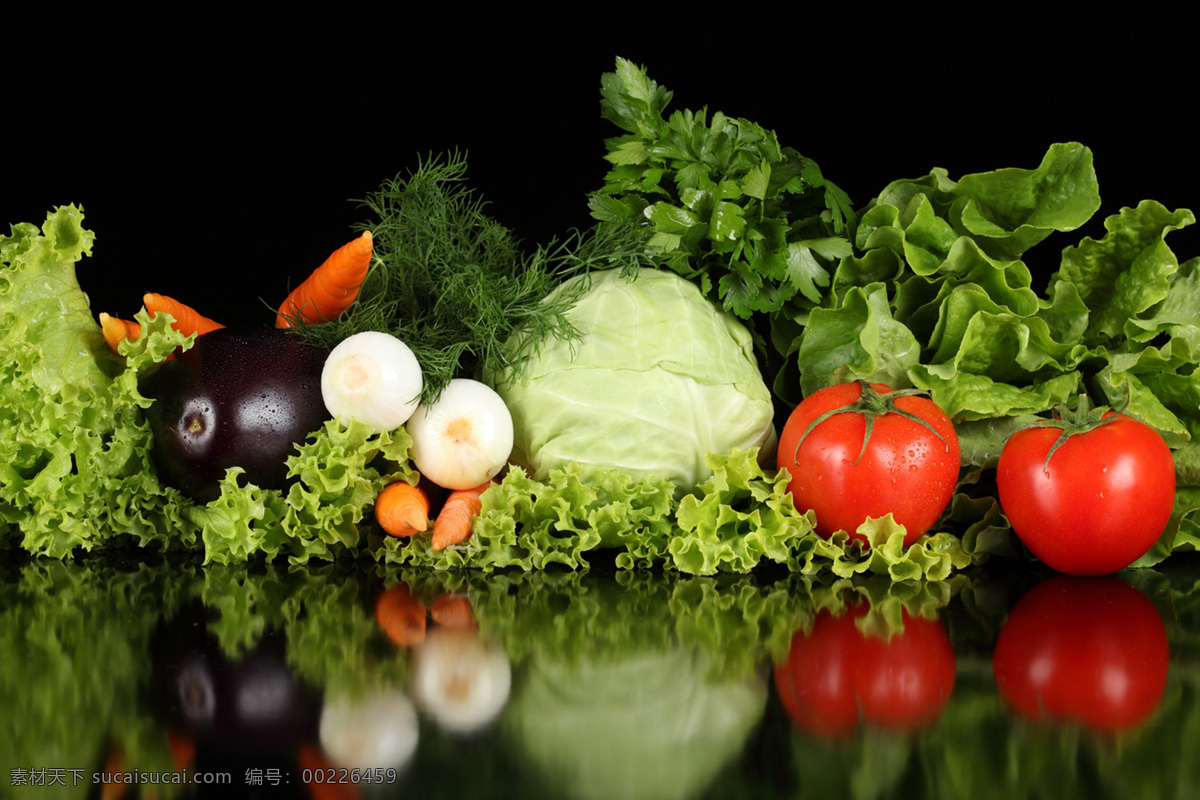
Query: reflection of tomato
[908,468]
[1087,649]
[837,677]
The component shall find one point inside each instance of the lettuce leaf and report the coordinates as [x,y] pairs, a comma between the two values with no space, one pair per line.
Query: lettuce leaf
[75,466]
[74,448]
[741,518]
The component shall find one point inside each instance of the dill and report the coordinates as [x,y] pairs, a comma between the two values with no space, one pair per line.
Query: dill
[454,284]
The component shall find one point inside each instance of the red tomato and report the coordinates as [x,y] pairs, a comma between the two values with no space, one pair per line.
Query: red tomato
[1101,501]
[837,677]
[907,469]
[1083,649]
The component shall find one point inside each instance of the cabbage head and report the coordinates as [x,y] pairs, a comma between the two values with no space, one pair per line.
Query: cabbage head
[659,378]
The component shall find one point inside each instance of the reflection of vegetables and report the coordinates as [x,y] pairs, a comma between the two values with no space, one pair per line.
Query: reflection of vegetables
[453,523]
[857,451]
[76,668]
[374,378]
[464,437]
[838,677]
[1088,496]
[632,725]
[331,288]
[377,731]
[659,379]
[402,509]
[401,616]
[235,399]
[452,611]
[1083,649]
[459,679]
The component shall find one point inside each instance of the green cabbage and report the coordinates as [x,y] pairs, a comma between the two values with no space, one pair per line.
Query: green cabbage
[658,379]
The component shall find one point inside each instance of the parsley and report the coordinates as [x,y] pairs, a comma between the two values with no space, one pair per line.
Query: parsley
[756,225]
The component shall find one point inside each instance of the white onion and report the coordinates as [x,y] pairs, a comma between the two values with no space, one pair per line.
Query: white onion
[374,378]
[464,438]
[460,680]
[379,731]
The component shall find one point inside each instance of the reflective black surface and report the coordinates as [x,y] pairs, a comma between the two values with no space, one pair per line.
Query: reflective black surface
[353,680]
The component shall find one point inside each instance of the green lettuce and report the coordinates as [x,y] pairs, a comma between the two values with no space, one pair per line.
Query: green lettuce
[740,518]
[74,448]
[939,296]
[76,472]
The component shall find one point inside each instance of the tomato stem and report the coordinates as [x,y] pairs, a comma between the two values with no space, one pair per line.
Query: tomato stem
[1083,419]
[871,404]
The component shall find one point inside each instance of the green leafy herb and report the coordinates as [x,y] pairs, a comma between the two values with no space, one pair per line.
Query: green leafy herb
[756,225]
[453,284]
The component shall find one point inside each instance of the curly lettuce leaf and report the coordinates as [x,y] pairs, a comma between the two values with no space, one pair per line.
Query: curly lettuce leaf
[74,446]
[76,471]
[741,518]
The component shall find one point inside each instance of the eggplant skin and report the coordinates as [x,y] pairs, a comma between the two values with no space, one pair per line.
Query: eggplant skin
[237,398]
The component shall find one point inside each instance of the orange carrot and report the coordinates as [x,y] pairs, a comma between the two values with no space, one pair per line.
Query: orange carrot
[116,330]
[187,319]
[333,286]
[113,764]
[183,749]
[453,523]
[401,616]
[402,509]
[452,611]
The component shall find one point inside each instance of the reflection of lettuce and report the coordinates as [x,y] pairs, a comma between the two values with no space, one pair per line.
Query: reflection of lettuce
[76,659]
[653,725]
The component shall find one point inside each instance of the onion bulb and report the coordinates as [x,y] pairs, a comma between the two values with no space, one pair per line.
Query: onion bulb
[460,680]
[374,378]
[464,438]
[376,732]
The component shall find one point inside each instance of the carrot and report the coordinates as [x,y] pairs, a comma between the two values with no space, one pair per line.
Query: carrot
[402,509]
[331,288]
[452,611]
[114,763]
[453,523]
[187,319]
[401,616]
[183,749]
[116,330]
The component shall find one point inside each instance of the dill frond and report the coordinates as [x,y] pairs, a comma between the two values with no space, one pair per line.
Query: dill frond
[454,284]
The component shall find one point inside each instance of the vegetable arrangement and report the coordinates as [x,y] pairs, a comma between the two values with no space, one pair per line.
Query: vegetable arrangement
[608,390]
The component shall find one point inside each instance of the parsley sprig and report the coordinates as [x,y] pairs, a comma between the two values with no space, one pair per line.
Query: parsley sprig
[756,225]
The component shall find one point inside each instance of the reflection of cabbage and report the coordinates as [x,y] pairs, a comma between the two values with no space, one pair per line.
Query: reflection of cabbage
[660,378]
[653,726]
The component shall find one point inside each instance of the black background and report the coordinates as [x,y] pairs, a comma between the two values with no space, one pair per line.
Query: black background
[218,158]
